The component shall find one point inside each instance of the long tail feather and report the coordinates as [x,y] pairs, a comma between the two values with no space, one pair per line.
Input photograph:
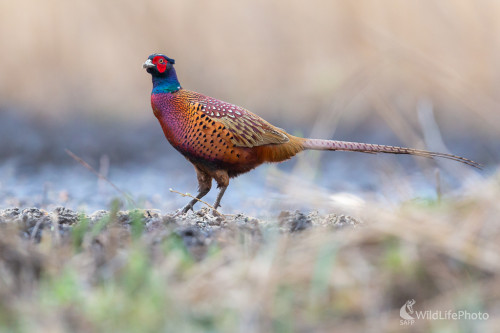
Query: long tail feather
[318,144]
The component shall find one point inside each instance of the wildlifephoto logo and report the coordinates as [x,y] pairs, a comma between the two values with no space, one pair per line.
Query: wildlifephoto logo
[409,315]
[407,310]
[406,313]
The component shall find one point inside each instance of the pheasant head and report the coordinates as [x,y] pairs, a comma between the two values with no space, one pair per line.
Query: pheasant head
[162,70]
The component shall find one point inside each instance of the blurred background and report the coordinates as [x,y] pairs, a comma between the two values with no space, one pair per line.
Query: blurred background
[423,74]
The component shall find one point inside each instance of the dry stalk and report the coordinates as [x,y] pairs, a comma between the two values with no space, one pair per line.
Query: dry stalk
[100,175]
[193,197]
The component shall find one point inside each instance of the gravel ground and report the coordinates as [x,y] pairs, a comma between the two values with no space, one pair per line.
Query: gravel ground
[197,229]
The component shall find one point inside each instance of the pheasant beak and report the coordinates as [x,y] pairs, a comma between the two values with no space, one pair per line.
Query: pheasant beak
[148,64]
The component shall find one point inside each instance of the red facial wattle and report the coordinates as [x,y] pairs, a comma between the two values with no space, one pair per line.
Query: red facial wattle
[161,63]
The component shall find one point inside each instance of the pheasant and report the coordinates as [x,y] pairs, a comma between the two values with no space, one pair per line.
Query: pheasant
[223,140]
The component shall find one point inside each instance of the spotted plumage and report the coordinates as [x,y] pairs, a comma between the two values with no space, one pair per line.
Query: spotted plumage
[237,143]
[223,140]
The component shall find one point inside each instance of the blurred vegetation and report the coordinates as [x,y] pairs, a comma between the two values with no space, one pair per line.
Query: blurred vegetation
[302,62]
[141,271]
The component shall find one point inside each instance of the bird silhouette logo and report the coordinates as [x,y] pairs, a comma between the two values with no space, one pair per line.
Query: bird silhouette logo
[407,310]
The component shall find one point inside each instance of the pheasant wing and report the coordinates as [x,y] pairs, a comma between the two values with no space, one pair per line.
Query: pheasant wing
[247,129]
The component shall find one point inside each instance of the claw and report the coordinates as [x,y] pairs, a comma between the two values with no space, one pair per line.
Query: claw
[184,210]
[187,208]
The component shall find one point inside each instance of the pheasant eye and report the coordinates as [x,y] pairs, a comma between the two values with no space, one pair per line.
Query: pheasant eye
[161,61]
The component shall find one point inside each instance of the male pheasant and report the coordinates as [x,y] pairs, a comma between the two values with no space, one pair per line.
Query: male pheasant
[223,140]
